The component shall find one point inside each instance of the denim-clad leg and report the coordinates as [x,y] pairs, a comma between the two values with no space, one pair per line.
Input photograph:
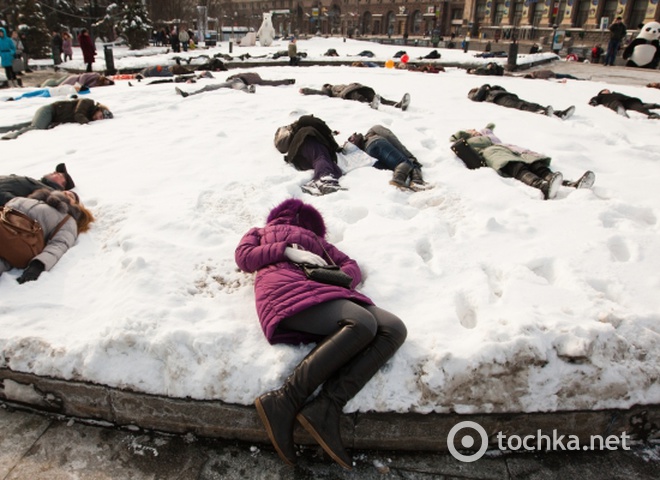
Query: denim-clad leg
[388,156]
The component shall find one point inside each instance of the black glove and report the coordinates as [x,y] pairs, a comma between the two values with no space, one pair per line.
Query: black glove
[31,272]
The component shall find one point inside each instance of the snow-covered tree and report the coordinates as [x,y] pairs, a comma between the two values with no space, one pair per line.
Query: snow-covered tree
[135,25]
[32,25]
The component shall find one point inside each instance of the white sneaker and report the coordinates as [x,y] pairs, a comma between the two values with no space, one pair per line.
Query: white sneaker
[375,103]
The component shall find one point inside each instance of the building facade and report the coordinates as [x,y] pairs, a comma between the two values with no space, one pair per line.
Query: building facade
[484,18]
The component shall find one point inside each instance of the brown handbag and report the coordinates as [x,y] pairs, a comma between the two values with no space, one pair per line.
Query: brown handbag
[21,237]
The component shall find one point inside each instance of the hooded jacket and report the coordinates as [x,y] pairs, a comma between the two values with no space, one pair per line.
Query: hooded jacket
[613,100]
[72,111]
[48,208]
[310,126]
[281,287]
[7,49]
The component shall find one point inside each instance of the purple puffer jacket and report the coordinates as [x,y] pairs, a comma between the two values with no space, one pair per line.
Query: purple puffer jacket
[281,288]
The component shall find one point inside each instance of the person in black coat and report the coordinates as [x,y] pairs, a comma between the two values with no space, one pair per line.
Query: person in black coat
[620,103]
[359,93]
[500,96]
[12,186]
[310,145]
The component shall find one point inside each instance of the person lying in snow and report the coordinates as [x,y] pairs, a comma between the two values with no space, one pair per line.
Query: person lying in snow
[357,92]
[529,167]
[354,337]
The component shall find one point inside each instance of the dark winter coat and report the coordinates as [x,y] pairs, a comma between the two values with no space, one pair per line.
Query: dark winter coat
[7,49]
[49,209]
[18,186]
[615,99]
[310,126]
[281,288]
[345,91]
[72,111]
[487,93]
[56,44]
[87,46]
[618,31]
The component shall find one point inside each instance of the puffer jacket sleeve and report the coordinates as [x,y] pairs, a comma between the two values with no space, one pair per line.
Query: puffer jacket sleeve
[59,244]
[251,255]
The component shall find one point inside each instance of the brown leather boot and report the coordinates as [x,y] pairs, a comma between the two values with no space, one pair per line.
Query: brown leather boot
[320,418]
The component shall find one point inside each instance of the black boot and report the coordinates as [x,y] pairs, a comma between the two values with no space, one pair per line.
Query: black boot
[549,188]
[400,175]
[321,419]
[417,180]
[278,409]
[564,114]
[321,416]
[552,179]
[404,103]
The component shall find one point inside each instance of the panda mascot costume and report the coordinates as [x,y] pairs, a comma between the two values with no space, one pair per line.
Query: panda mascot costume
[266,31]
[644,51]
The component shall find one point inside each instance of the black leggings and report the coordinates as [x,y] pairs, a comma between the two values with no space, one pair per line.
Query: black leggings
[327,318]
[358,341]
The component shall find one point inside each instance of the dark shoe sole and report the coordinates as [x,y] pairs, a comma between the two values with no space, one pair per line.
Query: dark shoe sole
[269,431]
[312,431]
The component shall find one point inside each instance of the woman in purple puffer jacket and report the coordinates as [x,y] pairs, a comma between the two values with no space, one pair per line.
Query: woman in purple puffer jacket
[355,338]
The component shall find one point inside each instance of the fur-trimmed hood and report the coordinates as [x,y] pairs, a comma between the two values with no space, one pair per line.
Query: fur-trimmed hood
[296,212]
[58,200]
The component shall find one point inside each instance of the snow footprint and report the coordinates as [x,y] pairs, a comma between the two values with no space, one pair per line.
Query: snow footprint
[619,249]
[465,311]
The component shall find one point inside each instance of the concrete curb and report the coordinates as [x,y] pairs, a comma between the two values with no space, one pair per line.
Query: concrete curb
[369,431]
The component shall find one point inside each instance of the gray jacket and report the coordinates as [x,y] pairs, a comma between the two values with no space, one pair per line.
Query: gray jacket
[48,217]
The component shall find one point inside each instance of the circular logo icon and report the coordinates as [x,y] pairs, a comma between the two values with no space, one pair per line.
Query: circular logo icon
[467,441]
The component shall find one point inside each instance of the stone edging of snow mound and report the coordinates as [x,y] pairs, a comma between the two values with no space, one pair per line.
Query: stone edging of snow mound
[370,431]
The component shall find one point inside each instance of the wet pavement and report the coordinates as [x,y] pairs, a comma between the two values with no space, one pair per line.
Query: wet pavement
[35,446]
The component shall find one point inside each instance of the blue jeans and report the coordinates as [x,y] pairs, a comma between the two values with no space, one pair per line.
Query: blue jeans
[612,49]
[388,157]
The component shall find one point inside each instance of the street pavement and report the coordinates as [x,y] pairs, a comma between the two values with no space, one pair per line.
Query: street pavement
[38,447]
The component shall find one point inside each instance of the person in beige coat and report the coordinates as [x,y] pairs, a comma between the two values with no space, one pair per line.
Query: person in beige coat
[49,208]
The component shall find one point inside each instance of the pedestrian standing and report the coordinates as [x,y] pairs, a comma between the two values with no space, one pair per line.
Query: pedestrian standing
[56,47]
[617,34]
[88,48]
[67,46]
[7,52]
